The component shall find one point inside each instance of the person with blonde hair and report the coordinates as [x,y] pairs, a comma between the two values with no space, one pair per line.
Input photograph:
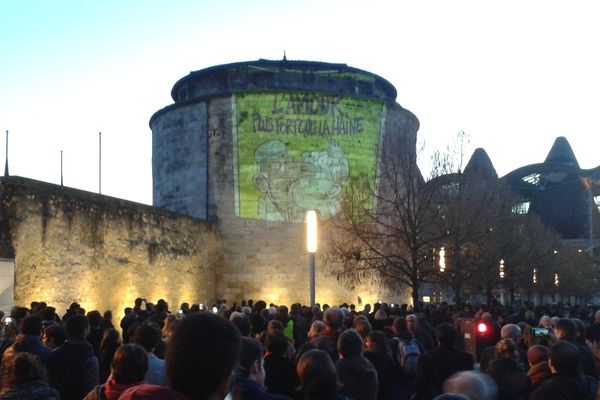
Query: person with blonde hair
[508,372]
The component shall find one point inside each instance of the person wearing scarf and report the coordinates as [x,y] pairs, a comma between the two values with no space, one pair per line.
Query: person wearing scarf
[128,368]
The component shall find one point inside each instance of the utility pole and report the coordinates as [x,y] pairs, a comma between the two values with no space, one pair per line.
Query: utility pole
[100,162]
[6,163]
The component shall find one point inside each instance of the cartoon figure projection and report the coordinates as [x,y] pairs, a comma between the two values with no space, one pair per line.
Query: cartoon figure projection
[289,187]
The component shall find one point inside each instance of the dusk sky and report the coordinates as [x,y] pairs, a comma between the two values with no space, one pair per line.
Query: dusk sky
[513,75]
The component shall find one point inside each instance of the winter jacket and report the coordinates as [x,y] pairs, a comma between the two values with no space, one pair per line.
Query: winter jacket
[35,390]
[566,387]
[357,377]
[73,369]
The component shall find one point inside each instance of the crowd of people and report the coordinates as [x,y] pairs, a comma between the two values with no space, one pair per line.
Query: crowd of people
[255,351]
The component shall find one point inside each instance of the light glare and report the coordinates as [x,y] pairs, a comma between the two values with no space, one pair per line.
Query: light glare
[311,231]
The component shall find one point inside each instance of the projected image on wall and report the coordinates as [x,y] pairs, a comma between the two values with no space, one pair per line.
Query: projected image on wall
[296,152]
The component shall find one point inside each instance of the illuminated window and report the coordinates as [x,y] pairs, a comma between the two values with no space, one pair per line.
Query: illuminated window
[521,208]
[534,179]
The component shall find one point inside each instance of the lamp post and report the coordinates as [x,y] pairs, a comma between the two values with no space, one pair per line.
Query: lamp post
[311,247]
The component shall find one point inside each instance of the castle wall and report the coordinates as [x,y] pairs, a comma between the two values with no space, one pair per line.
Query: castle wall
[236,109]
[70,245]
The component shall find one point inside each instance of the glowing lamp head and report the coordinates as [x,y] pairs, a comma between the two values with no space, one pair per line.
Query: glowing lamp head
[311,231]
[481,327]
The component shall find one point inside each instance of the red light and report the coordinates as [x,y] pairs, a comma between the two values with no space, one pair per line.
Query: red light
[481,327]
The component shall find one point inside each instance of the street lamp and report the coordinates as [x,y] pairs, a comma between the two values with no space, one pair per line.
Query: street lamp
[311,247]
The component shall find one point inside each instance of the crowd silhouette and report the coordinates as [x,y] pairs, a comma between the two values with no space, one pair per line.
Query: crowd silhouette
[255,351]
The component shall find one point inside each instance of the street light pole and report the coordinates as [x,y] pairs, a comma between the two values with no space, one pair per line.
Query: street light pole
[311,247]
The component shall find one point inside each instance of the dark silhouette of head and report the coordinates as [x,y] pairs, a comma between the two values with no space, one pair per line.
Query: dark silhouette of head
[349,344]
[316,374]
[446,334]
[147,335]
[276,343]
[333,318]
[77,326]
[564,357]
[31,325]
[202,355]
[129,364]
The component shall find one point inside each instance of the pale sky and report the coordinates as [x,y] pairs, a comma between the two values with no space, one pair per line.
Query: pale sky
[513,74]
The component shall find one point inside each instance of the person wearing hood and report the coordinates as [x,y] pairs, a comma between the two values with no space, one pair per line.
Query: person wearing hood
[29,339]
[356,374]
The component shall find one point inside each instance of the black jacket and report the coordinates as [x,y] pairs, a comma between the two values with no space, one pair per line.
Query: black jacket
[567,387]
[73,369]
[437,366]
[357,377]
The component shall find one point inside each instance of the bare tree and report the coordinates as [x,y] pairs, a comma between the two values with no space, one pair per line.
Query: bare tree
[385,229]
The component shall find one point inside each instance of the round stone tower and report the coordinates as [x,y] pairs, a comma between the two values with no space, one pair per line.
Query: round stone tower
[254,145]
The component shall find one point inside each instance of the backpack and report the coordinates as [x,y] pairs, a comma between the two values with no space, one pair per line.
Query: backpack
[409,352]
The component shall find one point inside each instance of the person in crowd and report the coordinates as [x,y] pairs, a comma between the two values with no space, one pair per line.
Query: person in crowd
[473,385]
[356,374]
[566,330]
[315,329]
[242,322]
[427,328]
[201,361]
[288,324]
[8,336]
[412,324]
[488,340]
[147,335]
[539,369]
[317,376]
[530,318]
[29,339]
[74,309]
[95,334]
[129,318]
[251,380]
[406,351]
[128,368]
[300,325]
[257,320]
[566,382]
[363,327]
[280,371]
[48,316]
[24,377]
[441,363]
[73,367]
[108,347]
[54,336]
[508,331]
[333,319]
[508,372]
[579,331]
[378,353]
[106,322]
[593,331]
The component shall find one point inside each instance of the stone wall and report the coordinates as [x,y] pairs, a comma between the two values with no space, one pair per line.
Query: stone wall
[179,160]
[70,245]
